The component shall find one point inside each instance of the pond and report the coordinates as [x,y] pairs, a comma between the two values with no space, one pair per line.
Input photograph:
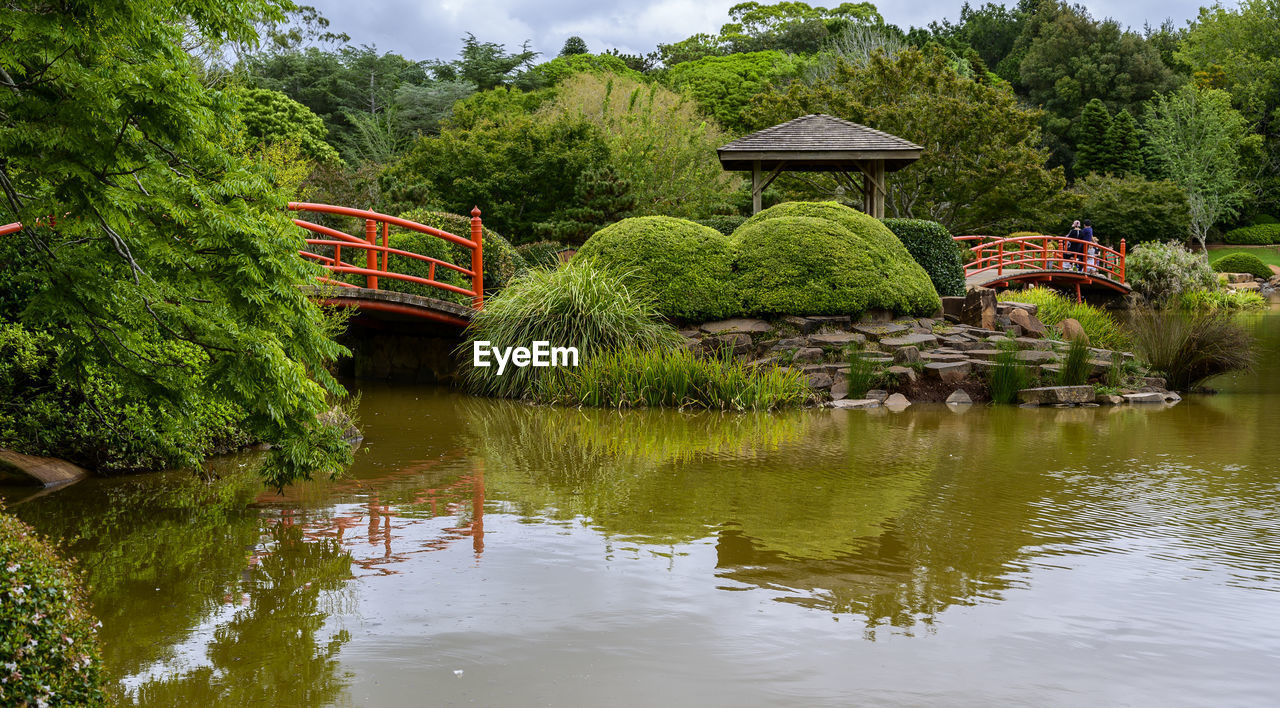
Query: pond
[492,553]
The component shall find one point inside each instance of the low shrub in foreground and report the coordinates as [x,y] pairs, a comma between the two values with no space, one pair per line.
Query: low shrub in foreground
[1103,329]
[675,378]
[1189,348]
[1229,300]
[685,267]
[931,245]
[578,305]
[48,648]
[1256,235]
[1162,271]
[1242,263]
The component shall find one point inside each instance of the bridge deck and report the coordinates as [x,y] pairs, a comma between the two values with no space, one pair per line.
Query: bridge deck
[990,278]
[396,305]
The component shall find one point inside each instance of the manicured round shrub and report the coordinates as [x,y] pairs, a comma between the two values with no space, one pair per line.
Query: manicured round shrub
[812,258]
[1242,263]
[931,245]
[541,253]
[48,648]
[812,266]
[724,223]
[1257,235]
[685,267]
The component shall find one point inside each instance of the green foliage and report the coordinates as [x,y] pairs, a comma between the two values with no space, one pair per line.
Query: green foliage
[272,117]
[1008,376]
[487,65]
[1054,307]
[601,197]
[573,46]
[724,86]
[1233,48]
[982,166]
[1228,300]
[1075,367]
[1123,148]
[724,223]
[1132,208]
[687,269]
[554,72]
[675,378]
[172,274]
[931,245]
[501,261]
[541,254]
[47,636]
[574,306]
[1256,235]
[862,374]
[1091,131]
[1242,263]
[1162,271]
[808,258]
[1190,348]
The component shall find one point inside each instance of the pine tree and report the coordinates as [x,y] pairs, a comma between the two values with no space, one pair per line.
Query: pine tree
[574,45]
[1091,135]
[602,197]
[1122,149]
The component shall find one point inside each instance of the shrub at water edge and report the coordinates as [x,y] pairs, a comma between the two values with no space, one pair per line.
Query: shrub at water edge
[822,258]
[578,305]
[1229,300]
[48,648]
[1161,271]
[1054,307]
[1256,235]
[685,267]
[1242,263]
[1189,348]
[931,245]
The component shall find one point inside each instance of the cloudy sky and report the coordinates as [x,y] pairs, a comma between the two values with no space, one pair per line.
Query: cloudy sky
[431,29]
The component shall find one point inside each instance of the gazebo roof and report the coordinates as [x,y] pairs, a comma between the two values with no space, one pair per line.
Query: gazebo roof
[817,142]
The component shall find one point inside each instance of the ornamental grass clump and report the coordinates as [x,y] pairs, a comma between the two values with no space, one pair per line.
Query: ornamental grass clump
[48,647]
[1008,376]
[675,378]
[1075,367]
[1054,307]
[1189,348]
[579,306]
[1227,300]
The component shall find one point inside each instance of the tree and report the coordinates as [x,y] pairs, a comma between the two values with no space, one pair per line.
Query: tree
[601,197]
[724,86]
[1091,133]
[1132,208]
[1122,146]
[573,45]
[981,165]
[1195,139]
[271,117]
[485,64]
[169,275]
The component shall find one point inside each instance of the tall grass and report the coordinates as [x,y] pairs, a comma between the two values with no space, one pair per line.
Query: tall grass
[1189,348]
[1008,376]
[862,374]
[574,306]
[675,378]
[1231,300]
[1076,367]
[1103,329]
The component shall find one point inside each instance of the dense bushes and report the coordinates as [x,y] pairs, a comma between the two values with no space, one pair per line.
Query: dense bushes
[1256,235]
[1161,271]
[1242,263]
[725,224]
[1134,208]
[931,245]
[1054,307]
[48,649]
[685,267]
[810,258]
[541,253]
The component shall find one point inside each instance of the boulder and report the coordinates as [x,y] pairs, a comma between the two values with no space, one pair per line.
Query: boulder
[909,340]
[1031,327]
[877,394]
[903,372]
[959,398]
[804,325]
[808,355]
[1238,277]
[944,356]
[950,372]
[836,321]
[906,355]
[1037,356]
[837,339]
[896,402]
[1072,330]
[979,309]
[1154,382]
[1143,398]
[875,332]
[1051,395]
[738,324]
[952,308]
[856,404]
[1251,285]
[840,389]
[1029,307]
[1171,397]
[820,380]
[737,342]
[985,354]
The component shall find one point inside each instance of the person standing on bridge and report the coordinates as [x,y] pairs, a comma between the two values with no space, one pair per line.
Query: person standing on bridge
[1086,234]
[1075,249]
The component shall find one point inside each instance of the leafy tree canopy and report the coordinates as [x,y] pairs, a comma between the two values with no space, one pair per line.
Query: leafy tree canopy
[574,45]
[485,64]
[723,86]
[271,117]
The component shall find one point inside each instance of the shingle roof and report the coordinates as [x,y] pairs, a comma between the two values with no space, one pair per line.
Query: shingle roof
[819,132]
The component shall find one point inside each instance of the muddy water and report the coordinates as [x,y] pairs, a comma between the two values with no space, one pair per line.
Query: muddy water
[491,553]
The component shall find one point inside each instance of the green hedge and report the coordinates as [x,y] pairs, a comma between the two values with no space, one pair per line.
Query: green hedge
[931,245]
[1242,263]
[541,253]
[685,267]
[816,258]
[1257,235]
[725,224]
[48,649]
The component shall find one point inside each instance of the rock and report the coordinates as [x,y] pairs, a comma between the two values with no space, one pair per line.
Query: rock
[951,372]
[690,332]
[836,321]
[952,308]
[763,362]
[807,355]
[1031,343]
[943,356]
[737,342]
[959,398]
[979,308]
[1036,356]
[1071,330]
[903,372]
[1031,327]
[896,402]
[1050,395]
[1029,307]
[49,471]
[926,322]
[840,389]
[820,381]
[875,332]
[790,343]
[856,404]
[804,325]
[985,354]
[876,316]
[1154,382]
[1012,331]
[909,340]
[877,394]
[906,355]
[1171,397]
[1148,397]
[738,324]
[1238,278]
[1111,400]
[1251,285]
[837,339]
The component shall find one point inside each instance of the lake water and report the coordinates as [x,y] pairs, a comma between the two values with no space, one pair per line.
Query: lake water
[491,553]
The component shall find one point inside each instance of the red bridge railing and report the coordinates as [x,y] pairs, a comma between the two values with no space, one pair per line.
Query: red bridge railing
[376,255]
[1043,253]
[10,228]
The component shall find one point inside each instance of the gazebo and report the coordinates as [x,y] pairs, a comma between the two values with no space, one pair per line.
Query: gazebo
[820,143]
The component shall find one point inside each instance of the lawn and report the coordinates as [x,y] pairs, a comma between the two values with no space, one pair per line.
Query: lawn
[1269,254]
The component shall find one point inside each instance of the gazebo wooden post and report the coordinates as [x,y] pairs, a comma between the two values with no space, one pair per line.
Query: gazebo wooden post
[757,192]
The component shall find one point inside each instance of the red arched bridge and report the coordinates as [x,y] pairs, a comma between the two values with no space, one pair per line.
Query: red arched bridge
[369,258]
[1051,260]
